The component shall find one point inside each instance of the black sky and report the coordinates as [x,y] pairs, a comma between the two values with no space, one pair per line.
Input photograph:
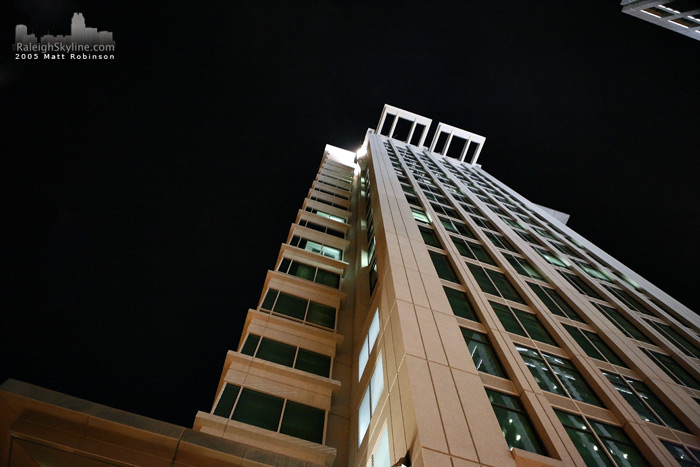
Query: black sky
[144,198]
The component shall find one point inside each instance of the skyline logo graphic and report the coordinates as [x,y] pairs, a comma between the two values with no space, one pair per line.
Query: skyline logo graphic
[81,39]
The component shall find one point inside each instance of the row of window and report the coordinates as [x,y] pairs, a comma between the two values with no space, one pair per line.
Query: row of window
[315,247]
[271,413]
[311,273]
[306,311]
[287,355]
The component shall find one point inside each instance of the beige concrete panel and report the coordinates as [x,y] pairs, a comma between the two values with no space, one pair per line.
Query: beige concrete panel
[463,463]
[530,459]
[393,247]
[457,431]
[491,446]
[430,336]
[428,418]
[278,385]
[415,283]
[409,329]
[387,346]
[455,348]
[337,435]
[407,253]
[396,429]
[401,288]
[397,337]
[408,412]
[436,295]
[499,384]
[430,458]
[340,403]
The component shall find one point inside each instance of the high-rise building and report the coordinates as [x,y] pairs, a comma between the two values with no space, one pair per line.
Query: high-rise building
[422,313]
[681,16]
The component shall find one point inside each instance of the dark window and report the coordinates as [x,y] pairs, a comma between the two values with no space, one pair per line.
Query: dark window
[601,444]
[673,369]
[622,323]
[443,267]
[628,300]
[461,306]
[594,346]
[429,237]
[550,258]
[515,424]
[310,273]
[523,267]
[494,283]
[457,227]
[265,411]
[287,355]
[580,285]
[522,323]
[500,242]
[482,353]
[686,457]
[676,338]
[472,250]
[558,375]
[553,301]
[373,276]
[644,402]
[299,308]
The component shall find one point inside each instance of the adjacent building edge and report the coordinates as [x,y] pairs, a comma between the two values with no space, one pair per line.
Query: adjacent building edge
[355,355]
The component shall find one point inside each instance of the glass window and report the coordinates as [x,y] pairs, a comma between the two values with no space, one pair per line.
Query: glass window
[622,323]
[558,375]
[460,304]
[684,456]
[457,227]
[370,400]
[500,242]
[302,421]
[472,250]
[494,283]
[522,323]
[420,215]
[373,276]
[310,273]
[368,344]
[299,308]
[628,300]
[429,237]
[550,258]
[593,272]
[515,424]
[553,301]
[227,400]
[259,409]
[601,444]
[644,402]
[580,285]
[594,346]
[381,455]
[523,267]
[443,267]
[482,353]
[673,369]
[676,338]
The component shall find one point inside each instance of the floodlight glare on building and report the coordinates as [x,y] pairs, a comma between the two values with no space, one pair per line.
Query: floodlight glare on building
[421,313]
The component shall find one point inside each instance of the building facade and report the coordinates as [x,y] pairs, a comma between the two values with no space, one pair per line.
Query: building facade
[422,313]
[681,16]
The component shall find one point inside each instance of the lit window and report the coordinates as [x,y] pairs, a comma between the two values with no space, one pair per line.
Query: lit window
[368,406]
[515,424]
[600,443]
[368,344]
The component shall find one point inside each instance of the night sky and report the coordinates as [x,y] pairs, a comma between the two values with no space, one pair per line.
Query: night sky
[144,198]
